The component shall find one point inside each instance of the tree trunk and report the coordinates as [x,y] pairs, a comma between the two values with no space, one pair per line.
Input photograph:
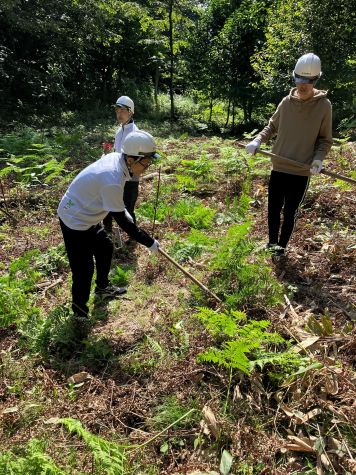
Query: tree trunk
[210,108]
[157,73]
[171,52]
[228,113]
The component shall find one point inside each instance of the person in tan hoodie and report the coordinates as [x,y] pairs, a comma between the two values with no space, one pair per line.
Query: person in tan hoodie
[302,124]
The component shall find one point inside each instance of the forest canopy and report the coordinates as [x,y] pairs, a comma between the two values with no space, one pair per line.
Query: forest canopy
[79,55]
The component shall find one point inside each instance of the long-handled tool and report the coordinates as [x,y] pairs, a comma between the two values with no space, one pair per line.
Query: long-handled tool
[301,165]
[156,202]
[188,274]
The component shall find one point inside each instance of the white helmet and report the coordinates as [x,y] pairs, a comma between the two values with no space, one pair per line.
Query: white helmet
[125,101]
[140,144]
[307,69]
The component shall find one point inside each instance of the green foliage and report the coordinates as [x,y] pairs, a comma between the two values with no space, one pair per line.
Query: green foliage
[322,327]
[200,168]
[23,272]
[282,363]
[53,260]
[54,334]
[239,352]
[292,30]
[243,277]
[34,462]
[120,276]
[200,238]
[155,346]
[221,324]
[182,251]
[171,410]
[186,183]
[18,286]
[108,456]
[234,163]
[16,304]
[147,210]
[194,213]
[40,165]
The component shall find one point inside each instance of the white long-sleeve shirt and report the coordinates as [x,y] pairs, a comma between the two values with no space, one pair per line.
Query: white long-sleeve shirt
[121,135]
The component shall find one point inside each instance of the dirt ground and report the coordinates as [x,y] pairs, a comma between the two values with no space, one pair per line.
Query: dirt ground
[124,384]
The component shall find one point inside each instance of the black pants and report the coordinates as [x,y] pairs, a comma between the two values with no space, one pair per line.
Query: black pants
[284,191]
[82,247]
[130,198]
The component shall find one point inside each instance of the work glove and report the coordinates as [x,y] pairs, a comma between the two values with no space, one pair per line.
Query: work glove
[154,247]
[253,146]
[316,167]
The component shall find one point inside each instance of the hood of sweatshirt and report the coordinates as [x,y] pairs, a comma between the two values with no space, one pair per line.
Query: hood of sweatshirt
[318,94]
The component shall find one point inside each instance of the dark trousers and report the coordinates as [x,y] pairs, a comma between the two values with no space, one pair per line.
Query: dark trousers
[285,192]
[130,198]
[82,248]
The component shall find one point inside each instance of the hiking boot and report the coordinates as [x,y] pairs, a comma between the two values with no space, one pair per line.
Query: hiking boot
[270,246]
[109,292]
[278,251]
[275,250]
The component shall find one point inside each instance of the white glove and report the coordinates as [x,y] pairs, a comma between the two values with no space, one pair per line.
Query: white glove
[253,146]
[316,167]
[154,247]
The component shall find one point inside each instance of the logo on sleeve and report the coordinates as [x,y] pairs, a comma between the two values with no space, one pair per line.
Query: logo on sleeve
[69,204]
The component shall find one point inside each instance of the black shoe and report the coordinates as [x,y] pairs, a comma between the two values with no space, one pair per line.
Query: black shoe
[109,292]
[270,246]
[278,251]
[275,249]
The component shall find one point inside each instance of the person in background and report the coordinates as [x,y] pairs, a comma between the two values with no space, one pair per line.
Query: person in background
[125,109]
[302,124]
[96,191]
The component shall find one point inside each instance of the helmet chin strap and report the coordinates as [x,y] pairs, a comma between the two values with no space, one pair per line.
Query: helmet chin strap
[128,166]
[128,120]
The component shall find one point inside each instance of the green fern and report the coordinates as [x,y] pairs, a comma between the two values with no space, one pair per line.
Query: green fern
[242,275]
[108,456]
[34,462]
[238,353]
[225,323]
[155,346]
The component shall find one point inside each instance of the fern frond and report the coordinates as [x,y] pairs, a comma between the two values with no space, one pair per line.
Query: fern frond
[108,456]
[155,346]
[220,323]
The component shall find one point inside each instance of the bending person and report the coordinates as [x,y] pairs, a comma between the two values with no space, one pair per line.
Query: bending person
[96,191]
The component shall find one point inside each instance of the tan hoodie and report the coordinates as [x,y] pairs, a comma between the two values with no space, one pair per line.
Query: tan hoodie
[303,129]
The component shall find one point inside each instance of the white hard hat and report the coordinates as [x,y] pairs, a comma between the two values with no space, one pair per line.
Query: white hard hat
[140,144]
[307,69]
[125,101]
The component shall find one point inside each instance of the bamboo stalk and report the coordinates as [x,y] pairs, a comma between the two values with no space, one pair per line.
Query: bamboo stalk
[301,165]
[188,274]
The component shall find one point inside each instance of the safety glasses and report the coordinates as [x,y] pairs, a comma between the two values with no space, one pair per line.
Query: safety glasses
[303,80]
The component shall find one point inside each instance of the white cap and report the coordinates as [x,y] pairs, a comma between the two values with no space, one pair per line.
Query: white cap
[140,144]
[125,101]
[307,69]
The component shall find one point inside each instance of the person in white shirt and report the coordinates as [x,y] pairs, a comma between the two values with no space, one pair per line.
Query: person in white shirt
[125,109]
[96,191]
